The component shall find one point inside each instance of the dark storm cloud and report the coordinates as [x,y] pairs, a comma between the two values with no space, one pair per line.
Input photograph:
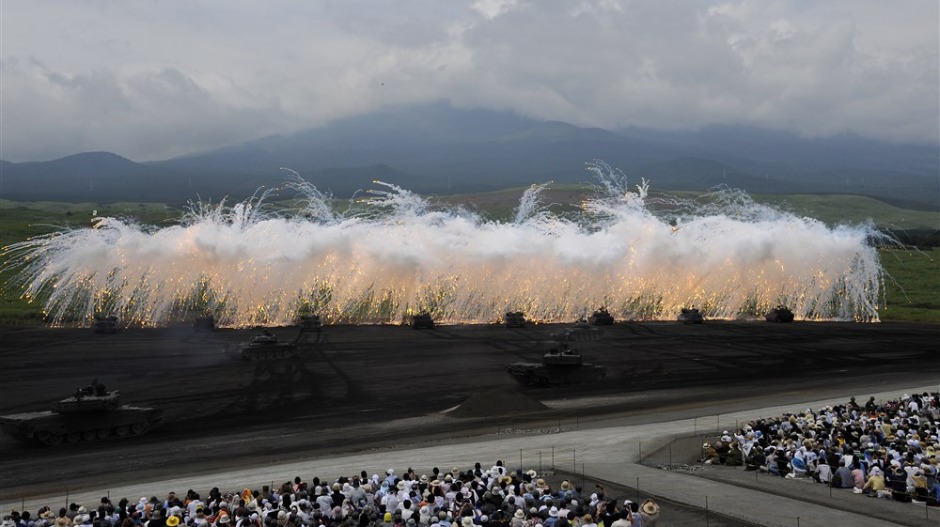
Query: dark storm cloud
[154,79]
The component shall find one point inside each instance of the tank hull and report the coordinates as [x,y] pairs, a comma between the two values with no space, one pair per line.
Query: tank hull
[536,374]
[780,314]
[422,322]
[50,428]
[107,325]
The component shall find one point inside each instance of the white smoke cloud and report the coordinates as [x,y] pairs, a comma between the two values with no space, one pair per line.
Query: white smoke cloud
[247,268]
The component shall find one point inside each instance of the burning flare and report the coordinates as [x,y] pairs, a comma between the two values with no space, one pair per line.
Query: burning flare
[397,256]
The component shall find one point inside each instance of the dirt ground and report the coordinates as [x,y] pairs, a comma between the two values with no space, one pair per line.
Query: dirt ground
[220,410]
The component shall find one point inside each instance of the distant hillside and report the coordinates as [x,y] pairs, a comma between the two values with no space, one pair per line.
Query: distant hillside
[437,149]
[136,182]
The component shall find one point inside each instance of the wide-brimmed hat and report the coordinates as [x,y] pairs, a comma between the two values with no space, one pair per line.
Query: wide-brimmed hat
[519,514]
[650,507]
[173,521]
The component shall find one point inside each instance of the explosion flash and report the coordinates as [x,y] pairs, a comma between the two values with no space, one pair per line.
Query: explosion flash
[730,258]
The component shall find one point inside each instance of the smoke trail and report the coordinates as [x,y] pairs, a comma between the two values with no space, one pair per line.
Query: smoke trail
[396,255]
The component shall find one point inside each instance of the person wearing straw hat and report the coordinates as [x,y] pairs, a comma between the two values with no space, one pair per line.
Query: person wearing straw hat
[649,511]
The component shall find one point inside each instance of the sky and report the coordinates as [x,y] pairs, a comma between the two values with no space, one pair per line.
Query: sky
[154,79]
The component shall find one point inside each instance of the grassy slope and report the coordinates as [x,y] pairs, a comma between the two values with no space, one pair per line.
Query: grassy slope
[20,221]
[912,293]
[831,209]
[913,290]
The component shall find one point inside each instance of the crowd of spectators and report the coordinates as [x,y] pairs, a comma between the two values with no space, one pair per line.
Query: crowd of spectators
[478,497]
[879,449]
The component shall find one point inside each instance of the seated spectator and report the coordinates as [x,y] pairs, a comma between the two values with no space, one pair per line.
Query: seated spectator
[709,454]
[875,486]
[843,477]
[797,465]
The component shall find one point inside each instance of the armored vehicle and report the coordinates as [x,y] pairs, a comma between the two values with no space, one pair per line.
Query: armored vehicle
[558,366]
[580,331]
[691,315]
[204,323]
[514,319]
[601,317]
[106,324]
[267,346]
[93,413]
[779,314]
[422,321]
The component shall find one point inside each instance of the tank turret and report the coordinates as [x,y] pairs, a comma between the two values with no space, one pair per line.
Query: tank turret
[691,315]
[779,314]
[92,398]
[601,317]
[562,357]
[514,319]
[93,413]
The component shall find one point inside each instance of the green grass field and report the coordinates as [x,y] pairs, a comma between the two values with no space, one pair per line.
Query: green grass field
[912,291]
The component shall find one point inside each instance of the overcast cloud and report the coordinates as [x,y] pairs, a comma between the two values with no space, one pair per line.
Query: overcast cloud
[154,79]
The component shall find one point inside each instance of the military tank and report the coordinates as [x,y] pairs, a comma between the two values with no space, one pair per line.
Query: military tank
[514,319]
[267,346]
[204,323]
[779,314]
[691,315]
[91,414]
[107,325]
[580,331]
[559,366]
[422,321]
[601,317]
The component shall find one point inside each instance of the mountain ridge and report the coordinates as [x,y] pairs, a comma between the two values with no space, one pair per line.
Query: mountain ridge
[437,149]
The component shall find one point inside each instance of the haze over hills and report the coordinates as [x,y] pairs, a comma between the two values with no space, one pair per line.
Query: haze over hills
[437,149]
